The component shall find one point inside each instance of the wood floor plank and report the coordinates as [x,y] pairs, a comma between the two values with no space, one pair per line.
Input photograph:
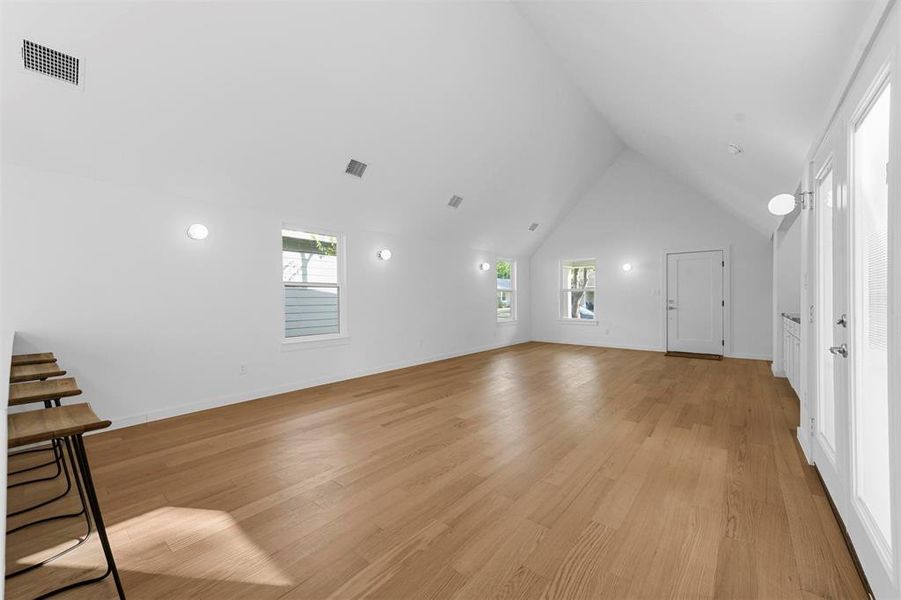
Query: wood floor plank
[538,470]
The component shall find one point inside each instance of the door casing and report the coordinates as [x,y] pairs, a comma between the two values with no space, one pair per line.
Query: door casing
[727,294]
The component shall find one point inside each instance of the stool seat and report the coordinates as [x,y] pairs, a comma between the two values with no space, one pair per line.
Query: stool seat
[33,359]
[38,391]
[51,423]
[21,373]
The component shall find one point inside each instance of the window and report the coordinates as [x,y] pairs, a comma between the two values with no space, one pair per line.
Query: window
[312,277]
[506,290]
[577,297]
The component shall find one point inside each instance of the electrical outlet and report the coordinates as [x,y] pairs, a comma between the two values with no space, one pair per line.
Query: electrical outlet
[242,369]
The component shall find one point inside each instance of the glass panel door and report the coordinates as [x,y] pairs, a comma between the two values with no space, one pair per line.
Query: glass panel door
[868,327]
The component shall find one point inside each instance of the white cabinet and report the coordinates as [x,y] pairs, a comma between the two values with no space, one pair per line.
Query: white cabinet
[791,352]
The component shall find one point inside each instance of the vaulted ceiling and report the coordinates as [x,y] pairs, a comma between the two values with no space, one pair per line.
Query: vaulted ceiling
[518,107]
[679,81]
[264,103]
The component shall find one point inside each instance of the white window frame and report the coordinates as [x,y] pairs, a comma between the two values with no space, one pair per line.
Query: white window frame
[343,330]
[512,291]
[564,289]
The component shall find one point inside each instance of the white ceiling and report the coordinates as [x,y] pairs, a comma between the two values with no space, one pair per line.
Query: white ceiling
[679,81]
[265,102]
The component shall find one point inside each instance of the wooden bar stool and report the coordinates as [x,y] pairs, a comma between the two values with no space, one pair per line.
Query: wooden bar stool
[30,392]
[49,392]
[69,423]
[35,372]
[33,359]
[39,371]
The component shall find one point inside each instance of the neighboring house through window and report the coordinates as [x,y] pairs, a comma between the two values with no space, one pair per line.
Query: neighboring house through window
[312,276]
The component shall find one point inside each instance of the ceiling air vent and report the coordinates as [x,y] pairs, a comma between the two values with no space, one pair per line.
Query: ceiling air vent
[355,168]
[50,62]
[455,201]
[533,226]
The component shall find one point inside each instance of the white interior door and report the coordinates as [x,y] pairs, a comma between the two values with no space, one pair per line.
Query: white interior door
[694,302]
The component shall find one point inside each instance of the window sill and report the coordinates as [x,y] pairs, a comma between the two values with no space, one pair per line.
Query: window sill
[578,322]
[507,322]
[289,345]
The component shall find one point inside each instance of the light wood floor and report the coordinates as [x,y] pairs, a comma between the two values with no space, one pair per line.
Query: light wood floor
[537,471]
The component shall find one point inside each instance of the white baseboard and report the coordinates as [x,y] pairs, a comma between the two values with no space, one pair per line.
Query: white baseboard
[616,346]
[804,442]
[749,356]
[183,409]
[649,348]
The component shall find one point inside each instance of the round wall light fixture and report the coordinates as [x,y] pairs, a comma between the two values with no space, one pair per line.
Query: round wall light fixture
[781,204]
[627,267]
[384,254]
[484,266]
[198,231]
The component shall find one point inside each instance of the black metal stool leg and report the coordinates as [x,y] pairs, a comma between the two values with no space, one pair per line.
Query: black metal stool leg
[81,458]
[52,447]
[84,511]
[81,498]
[85,469]
[62,465]
[29,451]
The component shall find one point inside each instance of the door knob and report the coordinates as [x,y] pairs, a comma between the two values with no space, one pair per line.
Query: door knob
[843,321]
[840,350]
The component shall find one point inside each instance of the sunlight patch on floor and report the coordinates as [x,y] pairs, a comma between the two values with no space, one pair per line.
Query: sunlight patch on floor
[183,542]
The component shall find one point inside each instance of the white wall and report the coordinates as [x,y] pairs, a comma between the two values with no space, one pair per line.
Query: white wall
[153,324]
[244,118]
[633,213]
[788,269]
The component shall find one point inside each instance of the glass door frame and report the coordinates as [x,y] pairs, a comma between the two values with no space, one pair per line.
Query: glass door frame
[887,552]
[831,461]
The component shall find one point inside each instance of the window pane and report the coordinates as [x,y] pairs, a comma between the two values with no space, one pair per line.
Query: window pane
[578,305]
[309,257]
[504,275]
[504,305]
[310,310]
[578,276]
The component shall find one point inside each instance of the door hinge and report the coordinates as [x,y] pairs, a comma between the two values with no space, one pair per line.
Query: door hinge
[724,343]
[724,303]
[723,264]
[807,200]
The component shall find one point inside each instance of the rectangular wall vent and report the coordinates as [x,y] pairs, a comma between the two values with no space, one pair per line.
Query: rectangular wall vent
[355,168]
[455,201]
[533,226]
[50,62]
